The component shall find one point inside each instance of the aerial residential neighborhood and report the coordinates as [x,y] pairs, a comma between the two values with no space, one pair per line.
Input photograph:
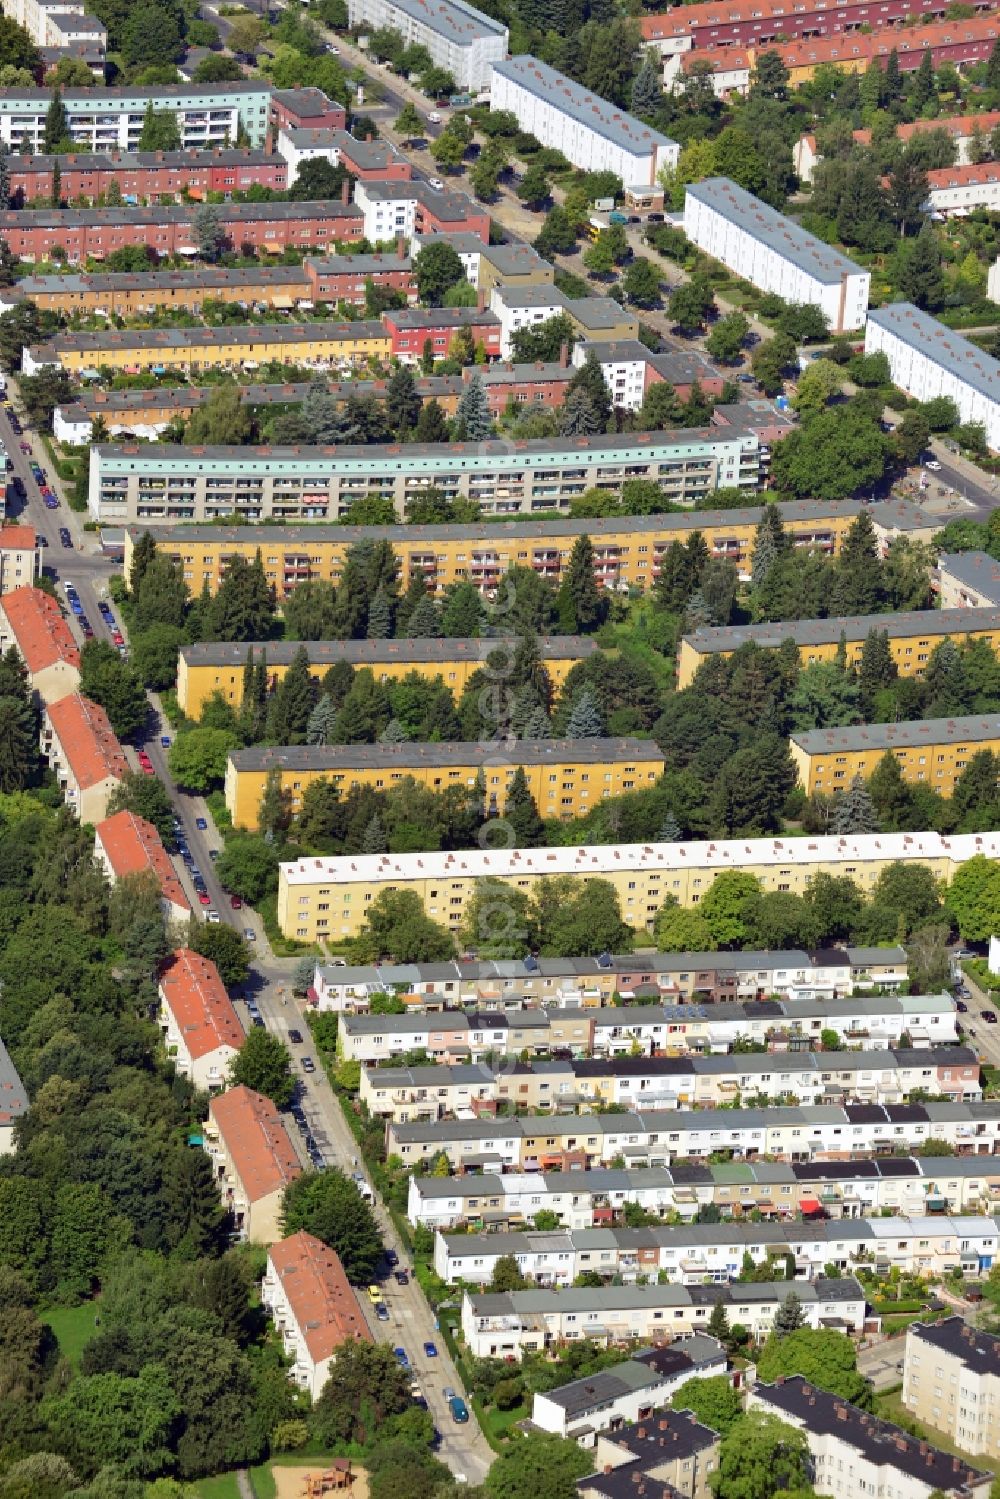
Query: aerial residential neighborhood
[499,749]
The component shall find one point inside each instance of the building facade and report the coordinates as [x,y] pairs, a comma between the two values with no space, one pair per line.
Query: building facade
[32,621]
[165,484]
[566,777]
[965,580]
[105,119]
[912,636]
[643,874]
[933,750]
[774,253]
[951,1382]
[253,1160]
[629,1392]
[20,557]
[628,550]
[125,845]
[216,666]
[201,1030]
[459,38]
[145,174]
[927,360]
[80,748]
[757,23]
[312,1305]
[591,133]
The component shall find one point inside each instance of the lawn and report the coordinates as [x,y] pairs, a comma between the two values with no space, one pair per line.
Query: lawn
[224,1486]
[73,1326]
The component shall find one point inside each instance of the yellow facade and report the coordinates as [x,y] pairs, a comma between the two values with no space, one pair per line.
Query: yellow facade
[820,640]
[562,785]
[321,899]
[195,355]
[197,681]
[937,760]
[627,552]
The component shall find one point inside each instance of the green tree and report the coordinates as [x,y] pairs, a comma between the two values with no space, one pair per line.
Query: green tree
[507,1275]
[160,130]
[920,279]
[243,608]
[712,1401]
[761,1456]
[223,419]
[198,758]
[472,414]
[973,898]
[208,231]
[148,798]
[691,303]
[263,1064]
[677,929]
[56,132]
[398,926]
[365,1389]
[409,126]
[727,336]
[533,188]
[540,1466]
[854,812]
[437,267]
[641,283]
[582,606]
[557,235]
[497,920]
[248,866]
[115,685]
[150,35]
[725,903]
[820,1355]
[18,743]
[789,1316]
[329,1205]
[224,946]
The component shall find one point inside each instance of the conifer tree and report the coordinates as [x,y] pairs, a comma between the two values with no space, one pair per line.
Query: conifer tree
[380,617]
[522,814]
[876,670]
[718,1322]
[374,839]
[590,378]
[322,721]
[416,592]
[292,704]
[537,725]
[854,811]
[584,602]
[670,830]
[789,1315]
[393,733]
[472,415]
[647,90]
[432,424]
[424,623]
[770,544]
[585,721]
[56,124]
[4,178]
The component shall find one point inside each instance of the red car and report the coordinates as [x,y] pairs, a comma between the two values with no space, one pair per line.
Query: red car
[117,637]
[204,897]
[236,903]
[145,763]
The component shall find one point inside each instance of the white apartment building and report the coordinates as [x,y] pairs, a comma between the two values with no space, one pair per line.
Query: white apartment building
[253,1158]
[701,1256]
[201,1030]
[56,23]
[855,1453]
[951,1381]
[520,307]
[13,1101]
[312,1306]
[773,253]
[926,360]
[591,133]
[955,192]
[827,1132]
[20,557]
[460,39]
[109,119]
[629,1391]
[510,1324]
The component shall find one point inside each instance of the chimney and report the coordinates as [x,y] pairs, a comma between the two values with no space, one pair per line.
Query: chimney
[841,1412]
[369,137]
[345,191]
[481,301]
[924,1449]
[642,1433]
[664,1425]
[401,246]
[563,356]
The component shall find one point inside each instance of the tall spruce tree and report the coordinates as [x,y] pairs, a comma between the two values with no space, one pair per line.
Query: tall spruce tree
[380,617]
[876,670]
[425,622]
[585,721]
[854,811]
[522,814]
[292,704]
[770,544]
[56,130]
[4,178]
[322,721]
[581,599]
[473,422]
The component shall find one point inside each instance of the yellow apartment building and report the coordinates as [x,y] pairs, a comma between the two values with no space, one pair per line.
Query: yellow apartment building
[935,750]
[628,550]
[218,666]
[244,348]
[912,637]
[566,777]
[327,897]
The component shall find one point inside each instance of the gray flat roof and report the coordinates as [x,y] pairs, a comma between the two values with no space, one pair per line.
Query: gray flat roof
[337,757]
[772,228]
[206,278]
[373,652]
[976,570]
[489,534]
[932,623]
[179,338]
[947,349]
[108,97]
[451,19]
[587,108]
[599,312]
[910,735]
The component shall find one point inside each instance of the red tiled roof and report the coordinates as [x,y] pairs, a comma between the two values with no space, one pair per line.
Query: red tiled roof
[322,1302]
[87,740]
[252,1130]
[955,125]
[133,845]
[18,539]
[193,992]
[909,44]
[41,634]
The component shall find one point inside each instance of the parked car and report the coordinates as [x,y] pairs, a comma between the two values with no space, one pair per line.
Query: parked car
[381,1311]
[204,899]
[459,1409]
[989,1016]
[402,1279]
[401,1358]
[202,824]
[295,1037]
[308,1065]
[374,1294]
[430,1349]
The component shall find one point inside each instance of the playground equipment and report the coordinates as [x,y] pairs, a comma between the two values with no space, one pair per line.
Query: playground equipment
[331,1481]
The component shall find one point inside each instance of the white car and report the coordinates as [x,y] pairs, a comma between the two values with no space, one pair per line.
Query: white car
[436,184]
[212,917]
[434,117]
[933,465]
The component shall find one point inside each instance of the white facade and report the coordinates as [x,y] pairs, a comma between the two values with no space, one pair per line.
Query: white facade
[609,1407]
[686,1255]
[957,191]
[210,1069]
[927,360]
[508,1326]
[459,38]
[37,18]
[67,430]
[297,146]
[389,209]
[523,307]
[853,1453]
[624,377]
[774,254]
[591,133]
